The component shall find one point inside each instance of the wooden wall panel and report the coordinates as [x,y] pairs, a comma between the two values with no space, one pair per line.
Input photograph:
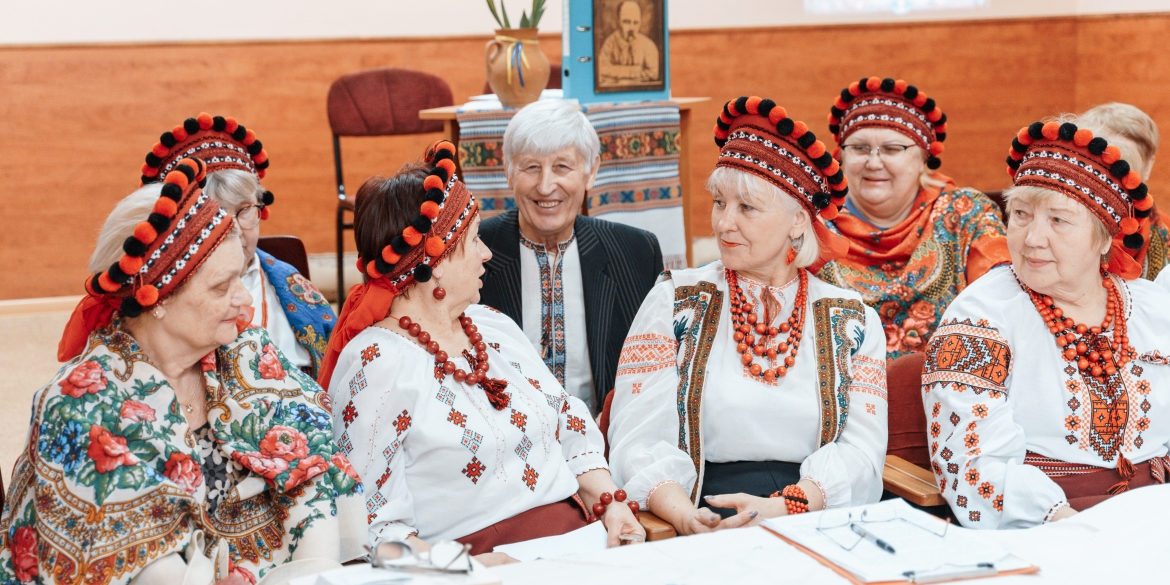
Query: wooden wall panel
[75,122]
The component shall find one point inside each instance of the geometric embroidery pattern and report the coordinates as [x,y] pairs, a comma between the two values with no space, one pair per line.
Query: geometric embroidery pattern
[445,395]
[344,443]
[552,307]
[530,477]
[402,422]
[647,353]
[357,384]
[474,470]
[576,424]
[869,376]
[374,502]
[965,356]
[369,353]
[349,414]
[391,450]
[457,418]
[524,447]
[471,440]
[519,420]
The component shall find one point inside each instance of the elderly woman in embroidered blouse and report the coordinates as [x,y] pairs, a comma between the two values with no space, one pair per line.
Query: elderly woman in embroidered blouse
[172,447]
[750,377]
[915,239]
[1088,413]
[459,428]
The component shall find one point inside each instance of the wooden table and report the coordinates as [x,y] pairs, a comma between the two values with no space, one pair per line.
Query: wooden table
[685,105]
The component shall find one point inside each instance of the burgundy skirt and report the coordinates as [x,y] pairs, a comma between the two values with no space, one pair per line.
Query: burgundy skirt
[547,520]
[1086,485]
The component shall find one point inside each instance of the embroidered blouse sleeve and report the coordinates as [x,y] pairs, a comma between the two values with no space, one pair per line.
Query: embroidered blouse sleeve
[379,396]
[644,419]
[977,449]
[849,469]
[582,444]
[985,233]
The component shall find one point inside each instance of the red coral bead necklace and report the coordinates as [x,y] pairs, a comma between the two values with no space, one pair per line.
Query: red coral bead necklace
[1083,345]
[747,326]
[495,389]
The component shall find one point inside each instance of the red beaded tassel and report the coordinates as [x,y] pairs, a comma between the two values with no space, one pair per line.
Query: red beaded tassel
[747,326]
[495,389]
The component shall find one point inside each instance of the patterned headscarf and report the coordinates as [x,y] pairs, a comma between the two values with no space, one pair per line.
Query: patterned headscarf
[892,104]
[1071,161]
[756,136]
[183,229]
[222,143]
[410,257]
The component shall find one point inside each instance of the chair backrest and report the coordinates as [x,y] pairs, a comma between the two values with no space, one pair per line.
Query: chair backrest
[554,78]
[288,249]
[907,419]
[603,420]
[997,197]
[386,101]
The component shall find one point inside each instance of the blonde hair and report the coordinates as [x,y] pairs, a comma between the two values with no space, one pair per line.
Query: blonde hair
[127,214]
[232,188]
[747,186]
[1128,122]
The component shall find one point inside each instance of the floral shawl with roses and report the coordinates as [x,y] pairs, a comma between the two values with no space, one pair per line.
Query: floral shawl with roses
[911,272]
[111,479]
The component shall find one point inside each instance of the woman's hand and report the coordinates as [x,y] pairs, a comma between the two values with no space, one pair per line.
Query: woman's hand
[619,521]
[752,508]
[1063,512]
[671,503]
[494,558]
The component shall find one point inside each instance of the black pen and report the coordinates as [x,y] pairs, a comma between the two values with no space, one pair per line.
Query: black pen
[855,527]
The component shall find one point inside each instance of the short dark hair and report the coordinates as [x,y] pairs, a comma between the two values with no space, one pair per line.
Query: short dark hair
[384,207]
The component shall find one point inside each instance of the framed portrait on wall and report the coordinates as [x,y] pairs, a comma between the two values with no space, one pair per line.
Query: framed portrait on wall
[616,50]
[629,45]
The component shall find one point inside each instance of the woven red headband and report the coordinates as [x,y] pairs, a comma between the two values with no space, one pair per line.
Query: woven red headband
[446,212]
[181,231]
[222,143]
[1070,160]
[756,136]
[893,104]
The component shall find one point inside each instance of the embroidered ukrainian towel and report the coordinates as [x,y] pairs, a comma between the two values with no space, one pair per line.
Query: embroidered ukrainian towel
[637,183]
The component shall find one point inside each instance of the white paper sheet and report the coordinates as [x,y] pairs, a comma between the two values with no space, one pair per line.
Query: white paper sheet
[909,532]
[591,538]
[364,574]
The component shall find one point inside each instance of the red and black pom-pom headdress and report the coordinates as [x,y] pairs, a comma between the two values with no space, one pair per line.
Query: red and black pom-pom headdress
[756,136]
[890,103]
[167,247]
[447,211]
[1064,158]
[222,143]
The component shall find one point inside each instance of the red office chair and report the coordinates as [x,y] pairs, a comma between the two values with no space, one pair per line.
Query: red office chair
[907,473]
[378,102]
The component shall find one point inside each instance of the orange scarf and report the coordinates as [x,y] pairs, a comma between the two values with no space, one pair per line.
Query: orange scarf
[365,305]
[895,244]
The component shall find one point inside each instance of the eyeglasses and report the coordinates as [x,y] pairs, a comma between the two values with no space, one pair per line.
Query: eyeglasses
[836,524]
[248,216]
[885,152]
[445,556]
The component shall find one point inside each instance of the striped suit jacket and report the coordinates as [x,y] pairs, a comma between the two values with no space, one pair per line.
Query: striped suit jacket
[619,265]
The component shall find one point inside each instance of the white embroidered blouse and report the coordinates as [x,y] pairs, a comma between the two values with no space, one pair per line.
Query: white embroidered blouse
[834,425]
[997,387]
[435,457]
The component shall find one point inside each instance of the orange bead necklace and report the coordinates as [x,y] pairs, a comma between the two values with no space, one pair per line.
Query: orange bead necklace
[1087,347]
[747,326]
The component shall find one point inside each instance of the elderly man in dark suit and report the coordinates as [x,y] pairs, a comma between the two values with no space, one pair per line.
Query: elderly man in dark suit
[573,283]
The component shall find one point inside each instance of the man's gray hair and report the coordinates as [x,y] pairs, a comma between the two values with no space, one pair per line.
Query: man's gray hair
[546,126]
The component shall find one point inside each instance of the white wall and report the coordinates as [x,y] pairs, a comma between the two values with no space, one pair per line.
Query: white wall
[25,22]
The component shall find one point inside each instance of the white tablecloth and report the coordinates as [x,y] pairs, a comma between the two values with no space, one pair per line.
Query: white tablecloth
[1122,540]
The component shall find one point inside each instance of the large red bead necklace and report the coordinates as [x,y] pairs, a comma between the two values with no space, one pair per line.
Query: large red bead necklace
[495,389]
[747,326]
[1083,345]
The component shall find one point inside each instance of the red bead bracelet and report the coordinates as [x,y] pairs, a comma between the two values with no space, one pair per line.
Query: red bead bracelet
[607,498]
